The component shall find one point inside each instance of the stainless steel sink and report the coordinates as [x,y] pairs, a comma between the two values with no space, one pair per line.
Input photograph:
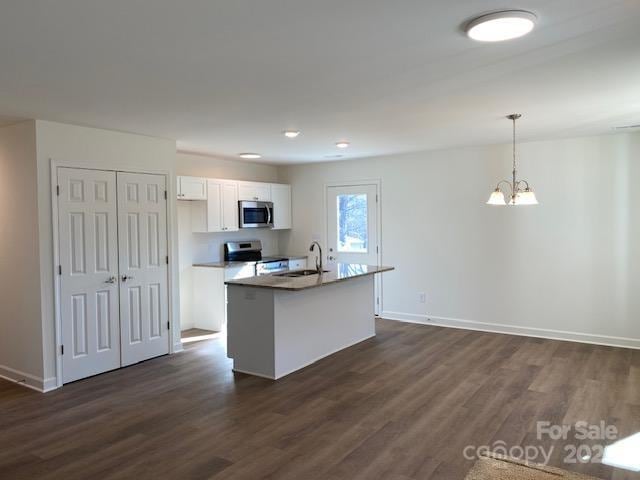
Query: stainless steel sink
[298,273]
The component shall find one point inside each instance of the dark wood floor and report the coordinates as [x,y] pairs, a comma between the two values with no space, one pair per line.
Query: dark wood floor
[400,406]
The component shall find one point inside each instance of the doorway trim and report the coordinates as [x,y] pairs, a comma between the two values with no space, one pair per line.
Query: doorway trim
[174,347]
[325,225]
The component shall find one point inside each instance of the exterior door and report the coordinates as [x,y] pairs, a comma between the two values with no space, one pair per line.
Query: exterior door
[142,242]
[352,225]
[87,225]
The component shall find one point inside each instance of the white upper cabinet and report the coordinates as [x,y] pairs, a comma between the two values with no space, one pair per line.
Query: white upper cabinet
[229,206]
[219,213]
[281,198]
[254,191]
[192,188]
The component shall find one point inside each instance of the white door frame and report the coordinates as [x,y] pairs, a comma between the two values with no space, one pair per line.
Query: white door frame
[355,183]
[171,194]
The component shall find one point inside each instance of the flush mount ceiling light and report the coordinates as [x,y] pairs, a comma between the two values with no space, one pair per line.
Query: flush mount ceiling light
[250,156]
[342,144]
[500,26]
[520,192]
[291,133]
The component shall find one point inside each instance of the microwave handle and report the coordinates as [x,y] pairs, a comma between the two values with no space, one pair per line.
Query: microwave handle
[268,215]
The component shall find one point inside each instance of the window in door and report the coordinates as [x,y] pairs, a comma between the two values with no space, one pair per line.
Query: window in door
[352,223]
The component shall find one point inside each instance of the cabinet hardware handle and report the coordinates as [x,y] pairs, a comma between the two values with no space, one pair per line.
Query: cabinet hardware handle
[113,279]
[126,277]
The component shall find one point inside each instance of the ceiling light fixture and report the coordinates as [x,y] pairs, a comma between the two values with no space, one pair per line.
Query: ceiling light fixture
[500,26]
[521,194]
[250,156]
[291,133]
[342,144]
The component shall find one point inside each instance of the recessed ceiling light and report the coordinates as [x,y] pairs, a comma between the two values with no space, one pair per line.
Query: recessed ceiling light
[250,155]
[499,26]
[342,144]
[291,133]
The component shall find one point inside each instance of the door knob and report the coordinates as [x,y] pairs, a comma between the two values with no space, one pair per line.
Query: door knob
[113,279]
[126,277]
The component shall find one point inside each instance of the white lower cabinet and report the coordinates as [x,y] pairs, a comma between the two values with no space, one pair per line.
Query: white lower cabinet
[210,294]
[298,264]
[209,300]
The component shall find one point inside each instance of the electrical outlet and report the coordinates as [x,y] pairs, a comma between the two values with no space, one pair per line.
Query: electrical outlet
[422,297]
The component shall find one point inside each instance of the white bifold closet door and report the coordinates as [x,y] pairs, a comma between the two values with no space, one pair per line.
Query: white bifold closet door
[88,242]
[112,231]
[142,242]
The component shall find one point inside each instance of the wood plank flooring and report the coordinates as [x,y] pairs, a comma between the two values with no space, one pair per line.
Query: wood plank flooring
[400,406]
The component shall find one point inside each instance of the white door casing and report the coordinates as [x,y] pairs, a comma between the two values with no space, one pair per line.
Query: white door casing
[142,244]
[88,252]
[347,244]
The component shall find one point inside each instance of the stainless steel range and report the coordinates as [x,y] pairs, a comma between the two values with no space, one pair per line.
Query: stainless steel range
[251,252]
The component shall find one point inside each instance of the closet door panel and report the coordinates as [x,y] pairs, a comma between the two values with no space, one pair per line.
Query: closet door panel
[142,232]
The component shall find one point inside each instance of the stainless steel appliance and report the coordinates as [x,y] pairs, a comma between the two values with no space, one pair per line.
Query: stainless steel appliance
[251,252]
[255,214]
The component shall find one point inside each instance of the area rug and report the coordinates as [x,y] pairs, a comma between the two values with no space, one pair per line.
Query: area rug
[497,467]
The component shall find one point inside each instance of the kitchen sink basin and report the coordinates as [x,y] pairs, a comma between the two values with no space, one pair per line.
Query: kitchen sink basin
[299,273]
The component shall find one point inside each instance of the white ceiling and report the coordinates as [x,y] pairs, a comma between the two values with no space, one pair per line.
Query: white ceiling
[227,76]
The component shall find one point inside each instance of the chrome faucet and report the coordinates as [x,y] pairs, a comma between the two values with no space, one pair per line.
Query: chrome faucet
[318,262]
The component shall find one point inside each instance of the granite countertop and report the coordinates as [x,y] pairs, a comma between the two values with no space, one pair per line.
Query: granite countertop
[224,264]
[337,273]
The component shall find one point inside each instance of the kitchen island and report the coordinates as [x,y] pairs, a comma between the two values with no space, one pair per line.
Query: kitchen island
[277,324]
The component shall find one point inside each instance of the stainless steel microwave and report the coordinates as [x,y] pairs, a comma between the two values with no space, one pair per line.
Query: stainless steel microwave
[255,214]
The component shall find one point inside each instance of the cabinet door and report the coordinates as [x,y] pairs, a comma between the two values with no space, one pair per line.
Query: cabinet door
[254,191]
[281,198]
[230,214]
[298,264]
[214,206]
[240,271]
[192,188]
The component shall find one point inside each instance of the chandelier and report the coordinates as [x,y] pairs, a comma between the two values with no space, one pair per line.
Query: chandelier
[519,191]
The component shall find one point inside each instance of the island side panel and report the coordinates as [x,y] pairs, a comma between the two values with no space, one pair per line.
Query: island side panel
[314,323]
[250,332]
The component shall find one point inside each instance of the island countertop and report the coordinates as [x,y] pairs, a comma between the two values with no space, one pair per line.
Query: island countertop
[336,273]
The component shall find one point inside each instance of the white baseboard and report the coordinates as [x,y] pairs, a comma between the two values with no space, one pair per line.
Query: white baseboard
[514,330]
[177,347]
[27,380]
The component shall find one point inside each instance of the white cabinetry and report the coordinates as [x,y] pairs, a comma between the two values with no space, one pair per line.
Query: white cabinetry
[209,298]
[298,264]
[192,188]
[281,198]
[219,213]
[210,294]
[254,191]
[240,271]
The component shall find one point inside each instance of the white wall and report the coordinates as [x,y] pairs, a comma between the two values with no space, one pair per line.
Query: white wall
[103,149]
[208,247]
[20,326]
[571,264]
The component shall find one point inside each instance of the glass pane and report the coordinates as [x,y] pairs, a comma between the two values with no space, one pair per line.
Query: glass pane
[352,223]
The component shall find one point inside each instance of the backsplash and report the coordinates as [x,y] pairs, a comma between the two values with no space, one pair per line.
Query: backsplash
[209,247]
